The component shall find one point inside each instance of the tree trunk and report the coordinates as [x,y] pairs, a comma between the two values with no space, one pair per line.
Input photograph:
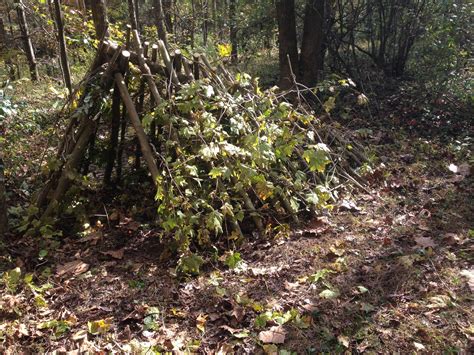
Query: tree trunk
[205,23]
[3,198]
[132,11]
[168,11]
[62,46]
[99,17]
[288,50]
[233,31]
[30,53]
[4,46]
[193,21]
[311,48]
[161,21]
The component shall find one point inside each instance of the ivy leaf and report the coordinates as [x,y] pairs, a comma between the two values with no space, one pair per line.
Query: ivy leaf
[101,326]
[330,104]
[209,91]
[312,198]
[330,294]
[209,151]
[217,172]
[214,221]
[190,265]
[320,275]
[11,279]
[233,260]
[317,157]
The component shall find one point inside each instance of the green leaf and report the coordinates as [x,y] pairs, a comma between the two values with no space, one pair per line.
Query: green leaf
[101,326]
[214,222]
[150,322]
[330,104]
[12,278]
[312,198]
[317,157]
[233,260]
[320,275]
[329,294]
[190,265]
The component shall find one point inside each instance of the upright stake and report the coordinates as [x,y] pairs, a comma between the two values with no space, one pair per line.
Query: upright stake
[142,138]
[62,46]
[116,113]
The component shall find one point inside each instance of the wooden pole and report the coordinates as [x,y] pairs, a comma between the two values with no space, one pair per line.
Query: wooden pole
[177,61]
[168,63]
[196,69]
[135,120]
[145,69]
[70,167]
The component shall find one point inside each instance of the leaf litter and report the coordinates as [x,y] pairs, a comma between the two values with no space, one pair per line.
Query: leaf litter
[389,270]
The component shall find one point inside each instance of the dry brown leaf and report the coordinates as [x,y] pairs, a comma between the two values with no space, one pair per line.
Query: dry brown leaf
[92,237]
[425,242]
[469,274]
[225,349]
[230,329]
[114,217]
[133,226]
[74,268]
[239,313]
[201,322]
[276,335]
[116,254]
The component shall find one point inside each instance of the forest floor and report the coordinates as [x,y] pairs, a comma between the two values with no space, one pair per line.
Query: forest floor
[388,270]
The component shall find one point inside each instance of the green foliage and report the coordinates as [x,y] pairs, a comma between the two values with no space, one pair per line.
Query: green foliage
[275,316]
[233,260]
[97,327]
[12,279]
[190,265]
[59,327]
[442,57]
[229,145]
[150,322]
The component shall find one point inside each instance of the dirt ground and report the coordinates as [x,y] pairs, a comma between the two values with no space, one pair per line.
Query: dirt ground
[390,269]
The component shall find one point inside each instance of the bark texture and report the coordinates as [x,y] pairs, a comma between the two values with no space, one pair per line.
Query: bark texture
[233,31]
[99,17]
[311,60]
[288,49]
[25,35]
[62,45]
[161,21]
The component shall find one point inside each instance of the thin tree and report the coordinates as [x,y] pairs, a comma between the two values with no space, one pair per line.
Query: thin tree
[311,60]
[132,11]
[3,199]
[161,22]
[99,17]
[25,35]
[287,44]
[233,31]
[4,45]
[168,11]
[62,45]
